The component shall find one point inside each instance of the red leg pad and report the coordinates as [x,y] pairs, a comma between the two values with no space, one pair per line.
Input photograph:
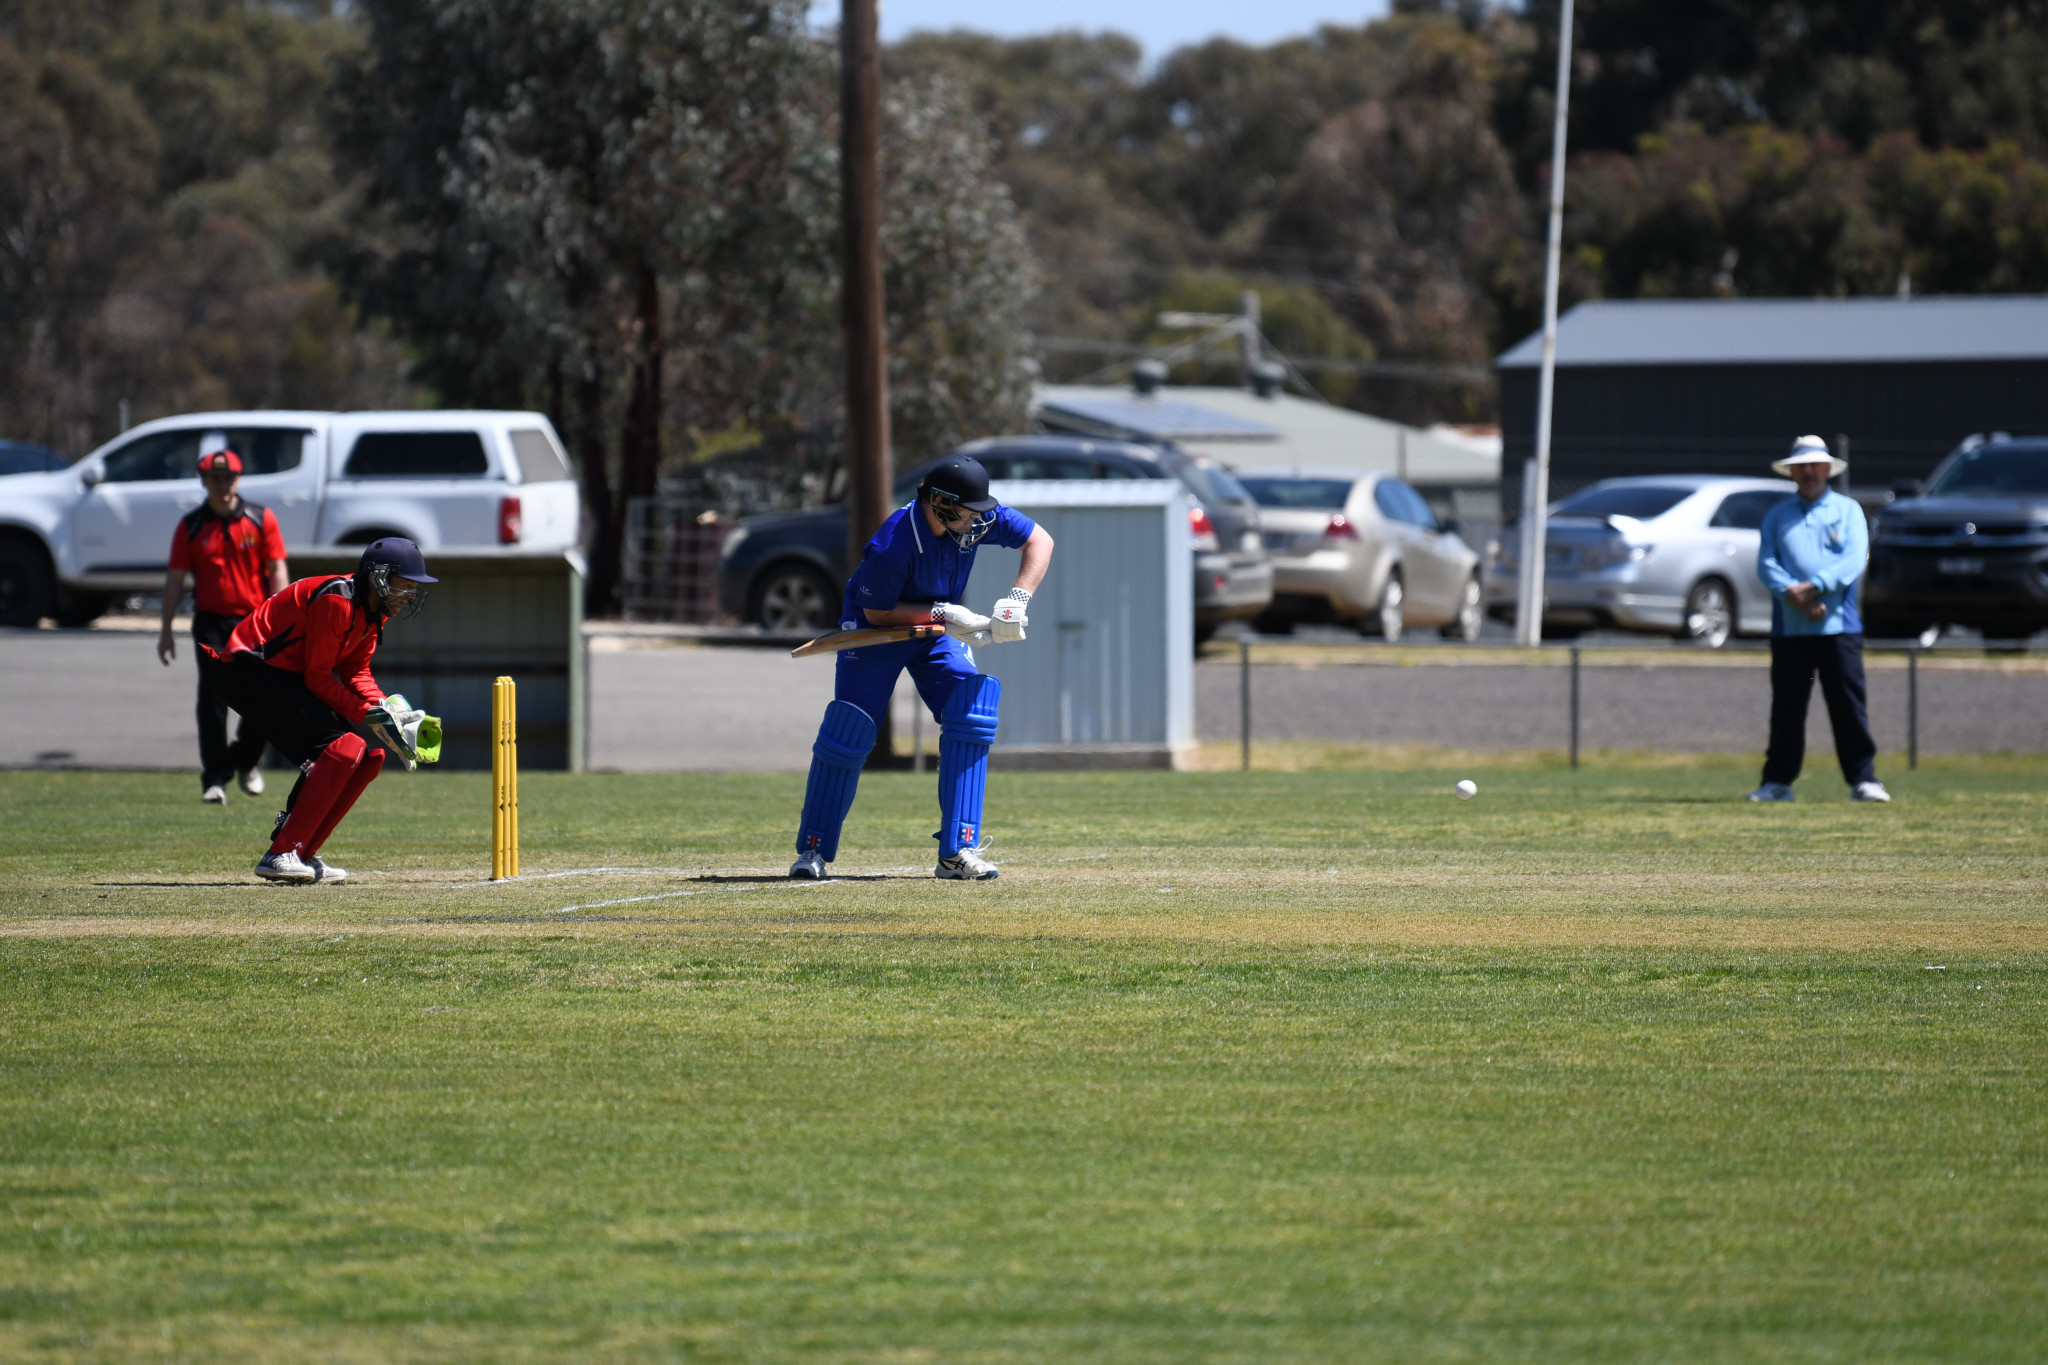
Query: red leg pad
[366,771]
[329,777]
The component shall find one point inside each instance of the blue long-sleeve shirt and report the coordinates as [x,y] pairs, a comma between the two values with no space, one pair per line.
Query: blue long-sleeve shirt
[1824,542]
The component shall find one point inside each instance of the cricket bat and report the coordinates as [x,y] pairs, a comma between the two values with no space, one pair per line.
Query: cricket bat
[873,635]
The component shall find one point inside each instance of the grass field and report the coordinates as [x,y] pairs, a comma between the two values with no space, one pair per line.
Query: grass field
[1310,1065]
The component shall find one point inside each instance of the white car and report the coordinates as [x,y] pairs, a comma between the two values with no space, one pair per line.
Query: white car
[70,540]
[1673,554]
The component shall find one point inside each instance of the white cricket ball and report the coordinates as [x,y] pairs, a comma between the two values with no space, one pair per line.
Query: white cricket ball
[1467,790]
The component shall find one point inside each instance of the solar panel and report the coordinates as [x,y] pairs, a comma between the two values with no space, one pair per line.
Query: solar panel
[1139,418]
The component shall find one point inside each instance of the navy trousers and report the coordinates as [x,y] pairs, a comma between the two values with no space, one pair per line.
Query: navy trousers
[1838,660]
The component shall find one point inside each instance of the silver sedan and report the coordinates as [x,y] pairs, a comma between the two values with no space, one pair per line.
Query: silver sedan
[1673,554]
[1364,549]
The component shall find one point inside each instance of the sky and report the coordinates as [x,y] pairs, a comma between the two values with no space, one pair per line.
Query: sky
[1161,25]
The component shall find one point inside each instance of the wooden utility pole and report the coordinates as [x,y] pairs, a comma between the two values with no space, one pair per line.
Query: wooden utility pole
[860,296]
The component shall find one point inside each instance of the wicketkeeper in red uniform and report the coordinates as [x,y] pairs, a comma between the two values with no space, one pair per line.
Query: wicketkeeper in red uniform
[300,667]
[235,553]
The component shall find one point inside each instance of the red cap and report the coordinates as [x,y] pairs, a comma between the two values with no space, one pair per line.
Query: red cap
[218,460]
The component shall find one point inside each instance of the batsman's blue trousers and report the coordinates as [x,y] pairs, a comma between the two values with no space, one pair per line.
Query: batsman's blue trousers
[867,677]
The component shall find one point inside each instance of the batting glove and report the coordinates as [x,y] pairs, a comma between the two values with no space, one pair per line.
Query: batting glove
[969,627]
[1007,622]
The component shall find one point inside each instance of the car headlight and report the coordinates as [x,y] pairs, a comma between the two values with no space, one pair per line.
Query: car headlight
[733,540]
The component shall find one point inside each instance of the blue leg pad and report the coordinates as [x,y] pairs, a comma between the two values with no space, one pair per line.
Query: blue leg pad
[966,729]
[843,743]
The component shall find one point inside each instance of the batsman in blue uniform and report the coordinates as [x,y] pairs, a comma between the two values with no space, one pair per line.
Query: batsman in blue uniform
[914,571]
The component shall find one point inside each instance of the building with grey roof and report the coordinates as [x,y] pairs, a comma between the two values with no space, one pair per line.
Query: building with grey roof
[1722,386]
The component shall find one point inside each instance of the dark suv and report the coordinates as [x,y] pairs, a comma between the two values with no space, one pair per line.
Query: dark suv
[1970,549]
[786,571]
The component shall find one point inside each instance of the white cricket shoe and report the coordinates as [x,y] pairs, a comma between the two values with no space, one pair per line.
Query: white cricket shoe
[251,782]
[808,865]
[1773,791]
[326,872]
[1870,791]
[284,867]
[214,795]
[967,866]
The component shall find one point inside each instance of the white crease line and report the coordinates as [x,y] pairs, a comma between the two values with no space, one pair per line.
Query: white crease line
[595,872]
[700,891]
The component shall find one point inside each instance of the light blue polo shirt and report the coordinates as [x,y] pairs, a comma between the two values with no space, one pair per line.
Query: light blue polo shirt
[1825,542]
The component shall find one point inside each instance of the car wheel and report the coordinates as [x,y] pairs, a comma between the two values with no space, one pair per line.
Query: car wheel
[1710,613]
[77,607]
[25,587]
[1471,616]
[794,598]
[1899,628]
[1387,615]
[369,535]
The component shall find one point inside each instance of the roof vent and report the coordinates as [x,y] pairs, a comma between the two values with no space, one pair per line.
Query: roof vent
[1267,378]
[1147,376]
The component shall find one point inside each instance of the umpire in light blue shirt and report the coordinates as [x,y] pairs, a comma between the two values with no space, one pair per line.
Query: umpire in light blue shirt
[1814,550]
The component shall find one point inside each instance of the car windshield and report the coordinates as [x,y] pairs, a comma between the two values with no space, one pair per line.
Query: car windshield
[1316,494]
[1994,471]
[1639,500]
[1213,483]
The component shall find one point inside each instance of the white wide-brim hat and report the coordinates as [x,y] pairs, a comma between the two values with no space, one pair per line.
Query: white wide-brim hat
[1809,450]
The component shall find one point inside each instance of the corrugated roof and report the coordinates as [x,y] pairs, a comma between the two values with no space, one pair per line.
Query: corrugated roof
[1119,412]
[1300,433]
[1794,331]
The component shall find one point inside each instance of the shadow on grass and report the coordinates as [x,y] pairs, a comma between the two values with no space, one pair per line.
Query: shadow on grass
[181,885]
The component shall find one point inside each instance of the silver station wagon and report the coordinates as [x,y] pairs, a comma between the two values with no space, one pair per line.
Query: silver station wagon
[1673,554]
[1363,549]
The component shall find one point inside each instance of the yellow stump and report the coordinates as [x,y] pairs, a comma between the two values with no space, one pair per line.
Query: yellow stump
[504,779]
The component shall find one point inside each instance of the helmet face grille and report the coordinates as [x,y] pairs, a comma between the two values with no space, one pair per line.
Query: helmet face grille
[402,604]
[977,527]
[971,537]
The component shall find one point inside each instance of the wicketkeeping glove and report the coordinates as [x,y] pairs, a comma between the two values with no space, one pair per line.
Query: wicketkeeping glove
[969,627]
[411,734]
[1007,622]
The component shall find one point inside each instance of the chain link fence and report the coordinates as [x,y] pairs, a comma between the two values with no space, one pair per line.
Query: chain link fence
[670,567]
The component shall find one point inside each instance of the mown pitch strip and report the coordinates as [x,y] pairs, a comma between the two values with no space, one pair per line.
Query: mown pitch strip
[1321,1065]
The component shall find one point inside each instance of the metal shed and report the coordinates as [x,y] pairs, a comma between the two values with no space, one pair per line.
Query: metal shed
[1721,386]
[492,612]
[1106,677]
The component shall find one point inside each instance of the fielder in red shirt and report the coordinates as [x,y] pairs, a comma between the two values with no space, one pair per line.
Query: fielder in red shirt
[235,554]
[300,667]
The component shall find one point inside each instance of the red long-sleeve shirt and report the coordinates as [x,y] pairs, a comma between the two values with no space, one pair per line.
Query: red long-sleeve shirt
[314,628]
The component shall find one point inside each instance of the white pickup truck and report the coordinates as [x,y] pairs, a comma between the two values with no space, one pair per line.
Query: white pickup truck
[71,540]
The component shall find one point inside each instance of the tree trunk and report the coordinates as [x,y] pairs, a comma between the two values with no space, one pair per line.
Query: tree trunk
[597,490]
[639,432]
[642,445]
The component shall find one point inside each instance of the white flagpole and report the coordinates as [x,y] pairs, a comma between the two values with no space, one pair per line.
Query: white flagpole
[1536,510]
